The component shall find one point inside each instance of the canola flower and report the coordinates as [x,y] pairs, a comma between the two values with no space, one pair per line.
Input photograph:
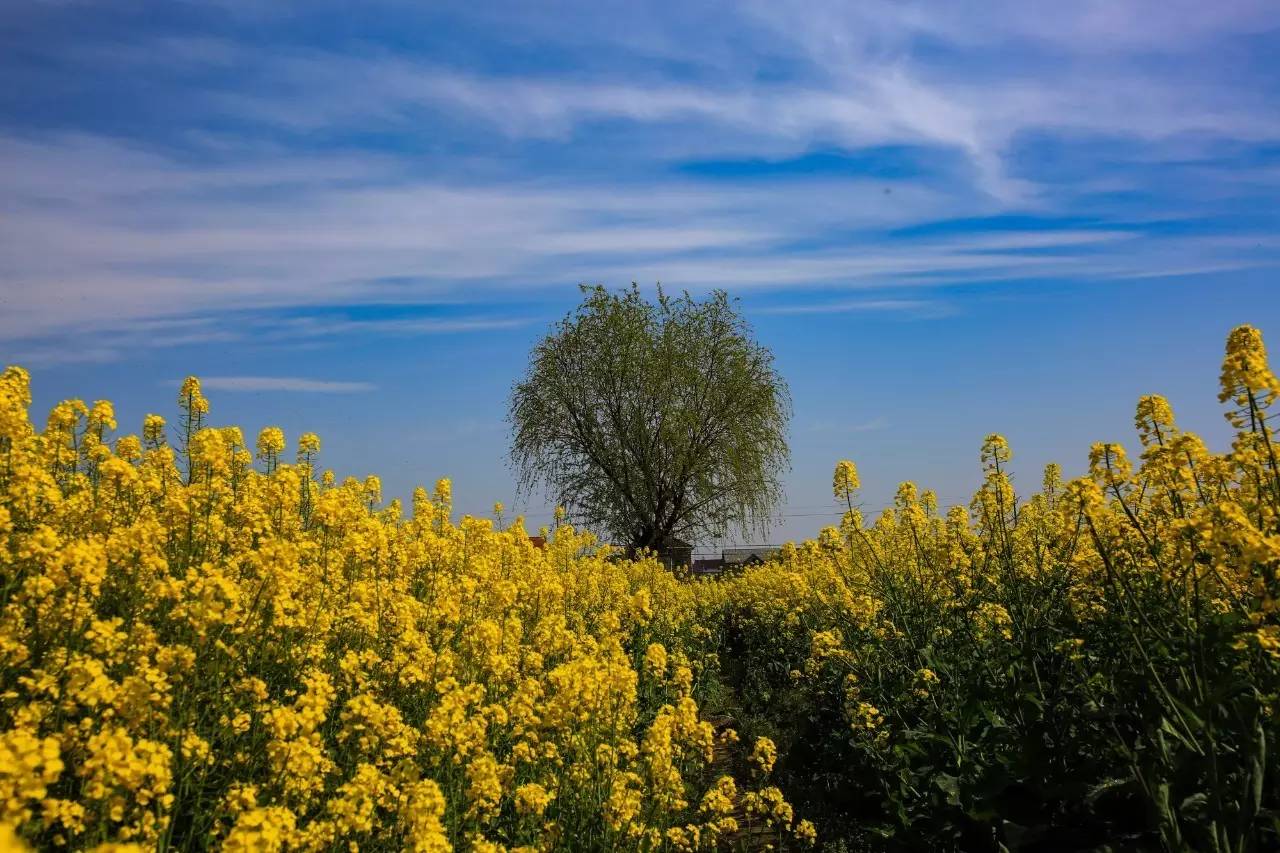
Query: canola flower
[205,645]
[1117,635]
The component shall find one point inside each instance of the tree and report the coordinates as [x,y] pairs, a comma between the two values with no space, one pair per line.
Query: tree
[648,420]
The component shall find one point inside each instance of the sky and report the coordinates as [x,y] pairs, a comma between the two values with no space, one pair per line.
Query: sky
[945,219]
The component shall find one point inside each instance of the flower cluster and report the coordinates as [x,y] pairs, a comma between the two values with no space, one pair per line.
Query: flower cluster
[204,644]
[1098,661]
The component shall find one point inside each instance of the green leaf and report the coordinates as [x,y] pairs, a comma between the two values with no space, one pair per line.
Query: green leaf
[949,785]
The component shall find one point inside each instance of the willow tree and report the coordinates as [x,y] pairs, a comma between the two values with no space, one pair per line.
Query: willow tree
[653,419]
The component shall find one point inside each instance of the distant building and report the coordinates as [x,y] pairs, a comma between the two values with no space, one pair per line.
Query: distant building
[733,559]
[754,555]
[675,553]
[707,566]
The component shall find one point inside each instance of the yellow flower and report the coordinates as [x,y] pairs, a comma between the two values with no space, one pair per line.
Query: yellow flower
[655,660]
[925,680]
[326,673]
[191,400]
[624,801]
[844,483]
[261,829]
[308,446]
[995,450]
[769,804]
[720,799]
[763,755]
[421,811]
[28,766]
[532,799]
[484,786]
[9,840]
[865,716]
[1245,370]
[994,619]
[153,430]
[372,490]
[270,444]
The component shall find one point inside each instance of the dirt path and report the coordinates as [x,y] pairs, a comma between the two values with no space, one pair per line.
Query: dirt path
[725,761]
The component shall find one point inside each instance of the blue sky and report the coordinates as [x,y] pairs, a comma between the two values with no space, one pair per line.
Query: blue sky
[945,219]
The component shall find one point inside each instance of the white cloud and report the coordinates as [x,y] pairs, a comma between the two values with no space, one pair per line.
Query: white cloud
[856,81]
[316,327]
[104,251]
[140,237]
[911,307]
[98,233]
[49,356]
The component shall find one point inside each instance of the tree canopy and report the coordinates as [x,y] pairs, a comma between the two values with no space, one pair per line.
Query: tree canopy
[653,419]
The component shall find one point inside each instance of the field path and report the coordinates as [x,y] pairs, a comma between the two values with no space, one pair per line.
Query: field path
[726,761]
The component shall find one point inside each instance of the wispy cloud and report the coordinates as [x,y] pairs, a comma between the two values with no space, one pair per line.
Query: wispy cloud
[319,327]
[920,308]
[141,236]
[288,178]
[51,355]
[84,341]
[89,343]
[845,89]
[281,384]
